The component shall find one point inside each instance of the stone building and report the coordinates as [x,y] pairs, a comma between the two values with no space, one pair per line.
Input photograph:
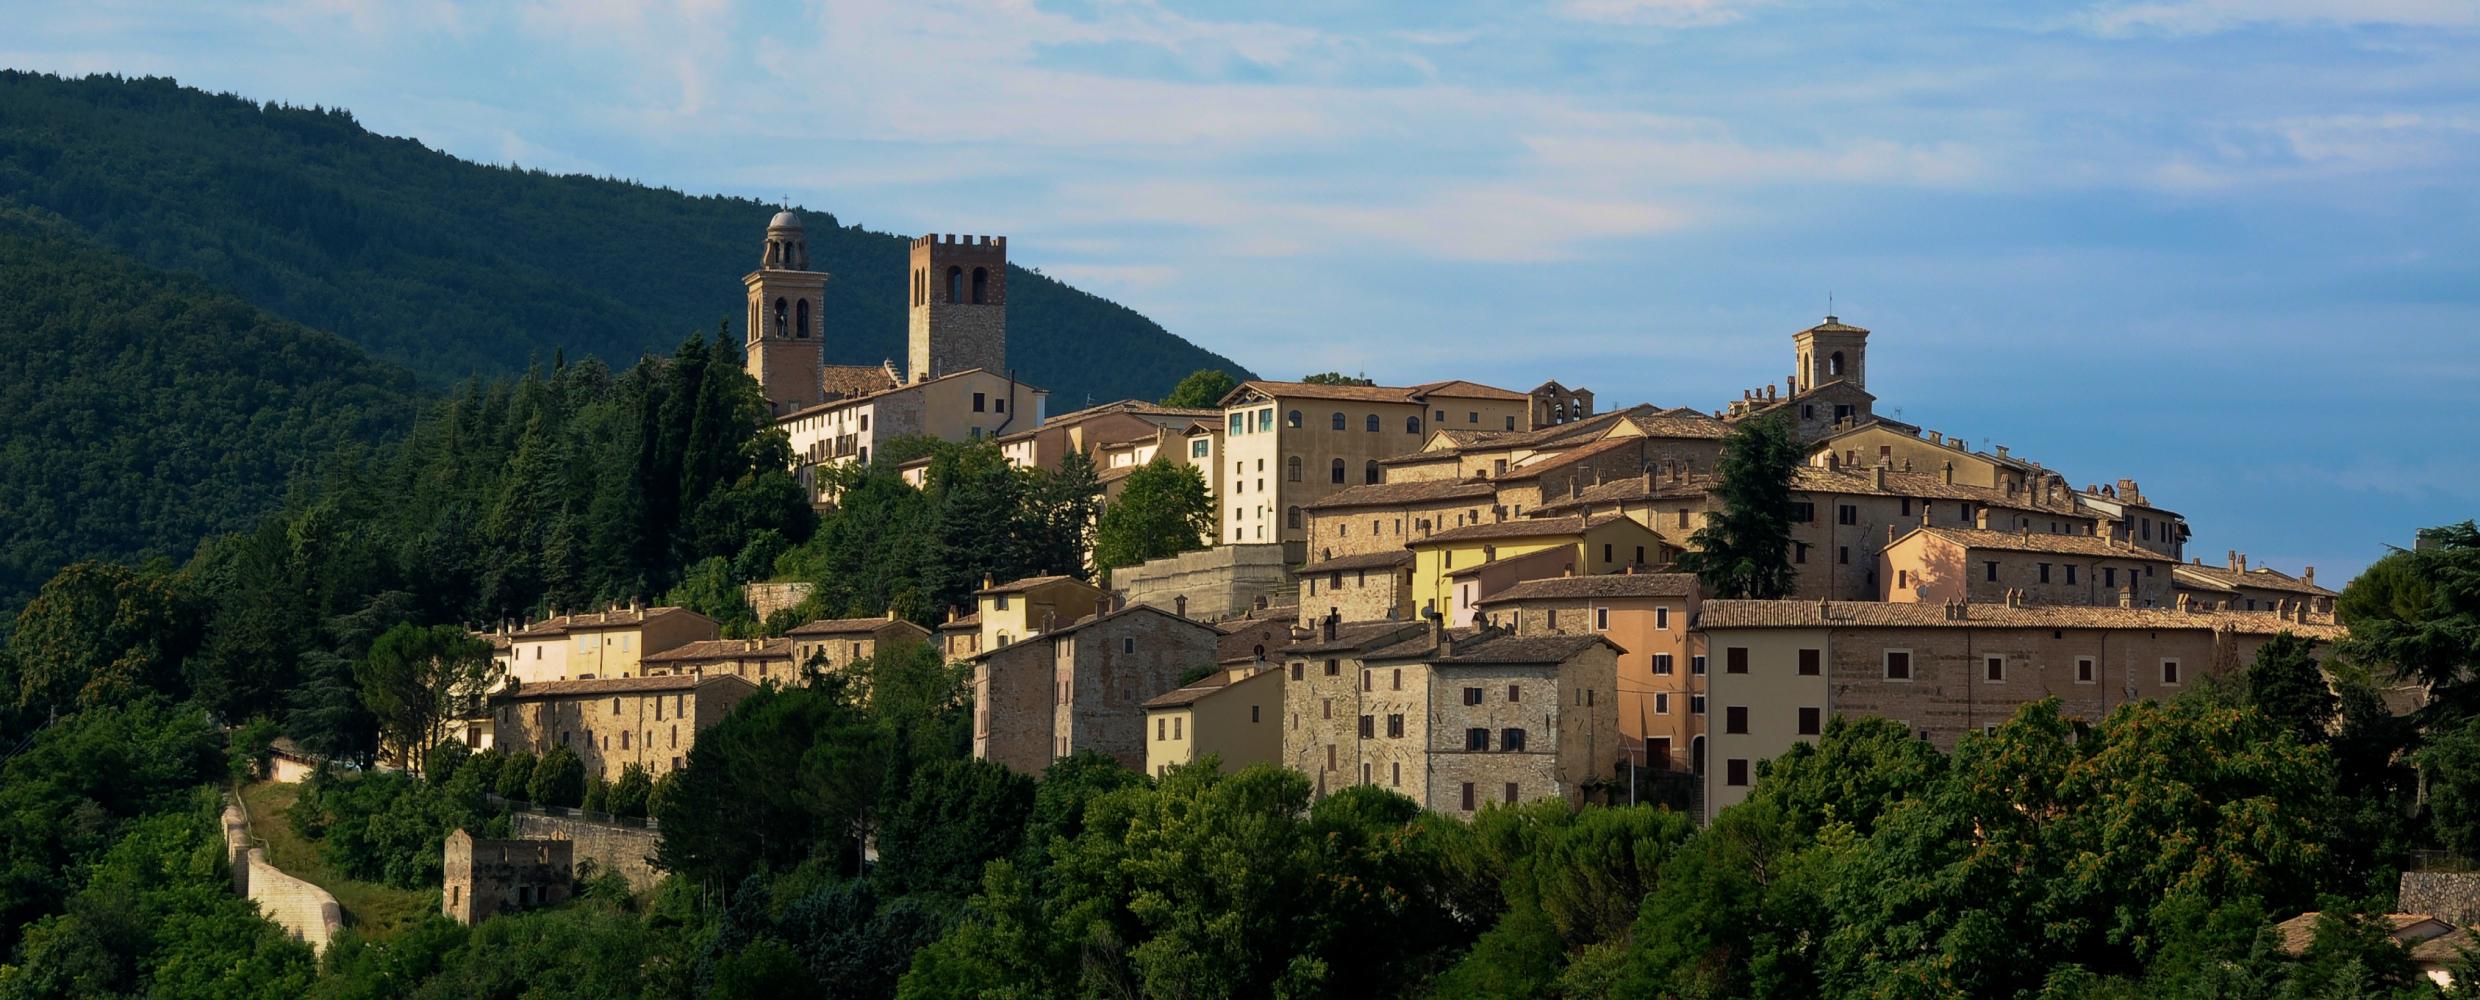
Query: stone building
[786,334]
[1555,404]
[1938,565]
[1233,713]
[1828,388]
[957,319]
[1082,686]
[1094,428]
[1780,669]
[960,636]
[612,722]
[1019,609]
[758,660]
[1365,587]
[1454,570]
[1453,719]
[831,644]
[484,878]
[1289,444]
[606,643]
[2236,587]
[1650,617]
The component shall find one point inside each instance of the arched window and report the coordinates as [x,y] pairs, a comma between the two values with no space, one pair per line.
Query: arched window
[800,312]
[981,284]
[780,322]
[1292,468]
[955,285]
[1335,472]
[1372,423]
[1369,471]
[1834,364]
[1291,419]
[1412,424]
[1558,413]
[1338,421]
[1291,517]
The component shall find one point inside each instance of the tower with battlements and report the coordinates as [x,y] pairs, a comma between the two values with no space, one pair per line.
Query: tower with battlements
[957,316]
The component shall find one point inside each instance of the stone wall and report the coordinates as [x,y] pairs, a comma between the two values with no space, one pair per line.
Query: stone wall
[768,598]
[304,910]
[1220,582]
[629,850]
[2453,897]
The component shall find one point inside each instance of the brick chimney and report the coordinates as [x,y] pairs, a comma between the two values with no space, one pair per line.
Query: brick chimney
[1877,477]
[1179,605]
[1947,474]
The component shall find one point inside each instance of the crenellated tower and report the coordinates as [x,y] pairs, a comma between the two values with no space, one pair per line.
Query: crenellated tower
[958,311]
[787,320]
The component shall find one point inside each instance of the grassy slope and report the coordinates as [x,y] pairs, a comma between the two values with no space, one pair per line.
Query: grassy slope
[376,911]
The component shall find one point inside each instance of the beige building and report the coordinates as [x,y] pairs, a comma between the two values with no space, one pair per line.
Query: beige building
[482,878]
[1452,719]
[1020,609]
[1828,388]
[1290,444]
[1094,428]
[2236,587]
[960,636]
[1649,616]
[1555,404]
[831,644]
[613,722]
[1232,713]
[1366,587]
[1938,565]
[961,406]
[1780,669]
[1083,686]
[1454,570]
[755,660]
[607,643]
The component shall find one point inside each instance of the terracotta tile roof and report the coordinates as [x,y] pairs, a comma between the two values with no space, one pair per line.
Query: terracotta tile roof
[1314,390]
[848,381]
[1461,389]
[1872,614]
[1355,637]
[602,686]
[1532,469]
[1029,583]
[964,623]
[1367,560]
[1548,555]
[596,621]
[845,626]
[2221,578]
[1528,527]
[1600,585]
[1393,494]
[724,649]
[2091,546]
[1496,647]
[1213,684]
[1679,423]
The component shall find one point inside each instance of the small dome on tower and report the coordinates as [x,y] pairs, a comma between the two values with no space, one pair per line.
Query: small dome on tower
[785,220]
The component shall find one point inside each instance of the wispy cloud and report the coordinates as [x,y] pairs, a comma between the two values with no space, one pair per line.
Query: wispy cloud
[2199,17]
[1659,13]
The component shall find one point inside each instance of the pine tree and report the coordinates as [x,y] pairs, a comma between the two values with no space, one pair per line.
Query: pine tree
[1744,549]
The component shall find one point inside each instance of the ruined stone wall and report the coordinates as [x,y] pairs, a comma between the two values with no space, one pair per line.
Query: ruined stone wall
[1220,582]
[629,850]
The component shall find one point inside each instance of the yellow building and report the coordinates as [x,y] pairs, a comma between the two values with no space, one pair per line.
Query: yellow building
[607,643]
[1454,570]
[1234,713]
[1020,609]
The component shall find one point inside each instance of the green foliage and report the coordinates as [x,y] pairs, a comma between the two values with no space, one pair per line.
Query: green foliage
[559,779]
[627,796]
[1163,510]
[1336,378]
[2451,760]
[145,409]
[516,777]
[248,748]
[2285,685]
[955,816]
[1744,549]
[596,791]
[454,267]
[386,827]
[416,679]
[2391,589]
[100,634]
[2435,640]
[1202,389]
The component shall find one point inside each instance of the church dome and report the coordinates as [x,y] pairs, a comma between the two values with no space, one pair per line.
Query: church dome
[785,220]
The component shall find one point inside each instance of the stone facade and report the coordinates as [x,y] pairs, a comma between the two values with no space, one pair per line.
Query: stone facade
[957,320]
[1357,588]
[2453,897]
[481,878]
[1938,565]
[786,329]
[1555,404]
[613,722]
[832,644]
[1020,609]
[629,850]
[767,598]
[757,660]
[607,643]
[1660,666]
[1290,444]
[1083,687]
[1219,582]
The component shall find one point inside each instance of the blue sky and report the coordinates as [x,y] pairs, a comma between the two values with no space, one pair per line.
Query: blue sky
[2223,247]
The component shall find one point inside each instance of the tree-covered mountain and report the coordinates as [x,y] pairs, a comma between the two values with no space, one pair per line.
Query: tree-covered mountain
[454,268]
[140,411]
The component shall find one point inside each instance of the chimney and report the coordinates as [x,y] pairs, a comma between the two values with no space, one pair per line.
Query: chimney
[1834,461]
[1948,474]
[986,584]
[1179,605]
[1050,620]
[951,614]
[1980,519]
[1446,639]
[1648,480]
[891,613]
[2186,603]
[1877,478]
[2127,596]
[1937,438]
[2307,575]
[2231,561]
[2001,451]
[1327,624]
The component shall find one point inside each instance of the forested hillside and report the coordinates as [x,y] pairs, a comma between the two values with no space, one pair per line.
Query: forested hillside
[140,411]
[454,268]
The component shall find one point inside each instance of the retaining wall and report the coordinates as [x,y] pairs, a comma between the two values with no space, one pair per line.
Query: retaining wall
[304,910]
[2453,897]
[1219,582]
[629,850]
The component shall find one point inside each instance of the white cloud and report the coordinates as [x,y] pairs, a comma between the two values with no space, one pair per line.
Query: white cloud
[2202,17]
[1659,13]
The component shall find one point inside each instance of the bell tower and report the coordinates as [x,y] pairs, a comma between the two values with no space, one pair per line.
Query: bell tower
[787,323]
[1829,352]
[958,311]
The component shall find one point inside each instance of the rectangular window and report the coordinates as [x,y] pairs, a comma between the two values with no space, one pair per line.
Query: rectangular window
[2109,577]
[1994,669]
[1253,713]
[1846,514]
[1601,619]
[1468,786]
[1511,740]
[1661,703]
[1662,618]
[1735,659]
[1799,553]
[1989,571]
[1898,665]
[1735,772]
[1735,720]
[1395,773]
[1366,681]
[1811,662]
[1511,793]
[1395,726]
[1330,756]
[1327,706]
[1842,554]
[1514,693]
[1696,704]
[1606,552]
[977,402]
[2070,574]
[1804,512]
[1177,724]
[2170,673]
[1296,665]
[1476,739]
[1661,664]
[1334,668]
[1369,726]
[1696,665]
[2084,670]
[2044,572]
[1472,696]
[1162,729]
[1810,721]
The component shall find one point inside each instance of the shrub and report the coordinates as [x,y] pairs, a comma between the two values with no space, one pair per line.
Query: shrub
[559,779]
[516,777]
[440,763]
[629,795]
[597,792]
